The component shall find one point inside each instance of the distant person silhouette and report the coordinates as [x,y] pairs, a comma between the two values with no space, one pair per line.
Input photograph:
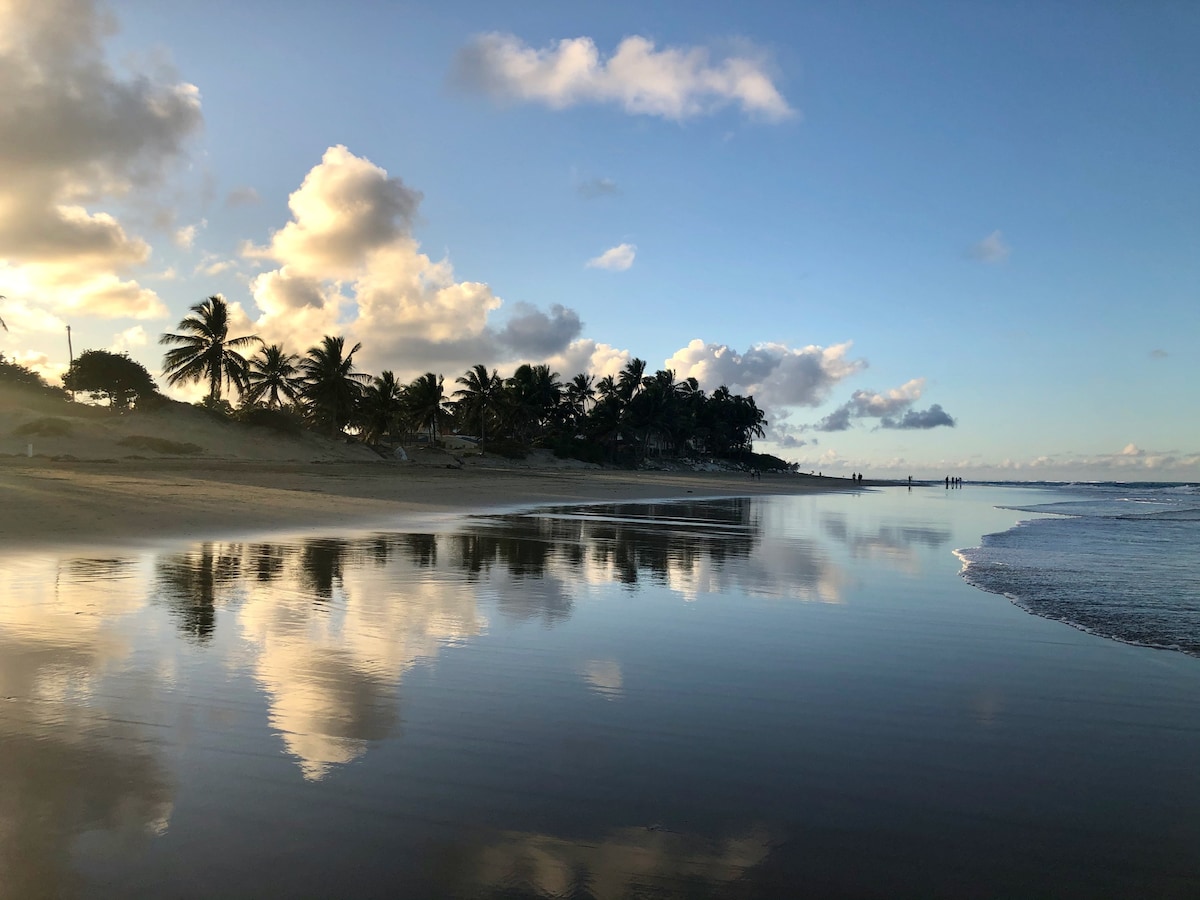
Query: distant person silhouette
[947,482]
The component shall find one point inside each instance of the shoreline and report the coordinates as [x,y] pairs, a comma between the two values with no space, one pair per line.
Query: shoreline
[122,502]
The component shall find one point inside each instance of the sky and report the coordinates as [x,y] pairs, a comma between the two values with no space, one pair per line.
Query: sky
[929,238]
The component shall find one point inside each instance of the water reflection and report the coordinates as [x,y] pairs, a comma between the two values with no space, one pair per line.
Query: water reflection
[626,862]
[99,656]
[74,761]
[895,544]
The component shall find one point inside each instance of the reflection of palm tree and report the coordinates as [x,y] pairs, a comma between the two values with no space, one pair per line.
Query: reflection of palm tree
[479,392]
[331,387]
[321,561]
[189,582]
[272,374]
[206,350]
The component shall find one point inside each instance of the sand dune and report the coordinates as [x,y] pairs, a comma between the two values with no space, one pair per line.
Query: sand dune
[87,483]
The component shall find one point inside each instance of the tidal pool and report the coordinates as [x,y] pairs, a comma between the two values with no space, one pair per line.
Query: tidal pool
[762,697]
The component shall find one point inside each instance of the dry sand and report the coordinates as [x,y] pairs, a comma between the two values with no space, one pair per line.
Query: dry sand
[87,488]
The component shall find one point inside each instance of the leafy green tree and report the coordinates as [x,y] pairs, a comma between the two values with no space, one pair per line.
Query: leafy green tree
[330,388]
[478,397]
[206,352]
[272,375]
[110,376]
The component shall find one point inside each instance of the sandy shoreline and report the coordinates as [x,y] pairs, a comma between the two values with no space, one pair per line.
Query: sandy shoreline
[123,501]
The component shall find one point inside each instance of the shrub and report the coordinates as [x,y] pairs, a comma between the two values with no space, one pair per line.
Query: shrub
[281,421]
[45,427]
[584,451]
[160,445]
[508,449]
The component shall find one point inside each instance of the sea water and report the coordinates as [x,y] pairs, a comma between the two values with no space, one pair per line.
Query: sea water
[742,698]
[1120,560]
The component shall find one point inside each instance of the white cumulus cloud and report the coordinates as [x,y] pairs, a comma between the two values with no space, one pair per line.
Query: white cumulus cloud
[775,374]
[77,134]
[615,259]
[673,83]
[347,264]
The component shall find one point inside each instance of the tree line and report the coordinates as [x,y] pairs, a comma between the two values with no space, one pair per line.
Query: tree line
[625,418]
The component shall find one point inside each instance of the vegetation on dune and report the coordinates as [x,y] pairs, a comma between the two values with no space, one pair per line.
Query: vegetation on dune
[114,377]
[160,445]
[625,419]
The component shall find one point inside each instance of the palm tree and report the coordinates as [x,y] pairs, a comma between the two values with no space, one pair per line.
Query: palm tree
[532,397]
[580,395]
[381,407]
[479,391]
[273,374]
[425,400]
[629,382]
[331,387]
[206,350]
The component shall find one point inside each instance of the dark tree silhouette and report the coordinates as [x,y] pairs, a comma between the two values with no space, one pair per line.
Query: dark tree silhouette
[273,375]
[110,376]
[330,387]
[206,351]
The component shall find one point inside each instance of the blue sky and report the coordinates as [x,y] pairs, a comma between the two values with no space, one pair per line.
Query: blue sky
[864,214]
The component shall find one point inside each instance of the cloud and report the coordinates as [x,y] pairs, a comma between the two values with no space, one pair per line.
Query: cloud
[992,249]
[128,339]
[77,134]
[673,83]
[348,264]
[531,332]
[598,187]
[867,404]
[776,375]
[1159,354]
[212,265]
[838,420]
[184,237]
[914,418]
[242,196]
[587,356]
[615,259]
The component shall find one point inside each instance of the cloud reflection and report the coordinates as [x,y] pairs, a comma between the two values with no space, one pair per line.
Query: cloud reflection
[627,862]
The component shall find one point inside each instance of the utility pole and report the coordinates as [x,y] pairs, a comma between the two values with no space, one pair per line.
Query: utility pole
[70,355]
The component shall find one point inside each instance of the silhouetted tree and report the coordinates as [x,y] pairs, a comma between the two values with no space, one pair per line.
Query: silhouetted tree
[206,350]
[110,376]
[330,387]
[272,374]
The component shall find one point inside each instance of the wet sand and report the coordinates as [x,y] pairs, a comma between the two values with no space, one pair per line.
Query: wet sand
[123,501]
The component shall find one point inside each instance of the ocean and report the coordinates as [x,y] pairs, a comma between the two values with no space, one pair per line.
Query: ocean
[717,698]
[1121,560]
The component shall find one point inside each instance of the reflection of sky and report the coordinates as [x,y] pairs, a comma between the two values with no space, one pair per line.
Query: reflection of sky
[598,701]
[332,670]
[625,862]
[73,758]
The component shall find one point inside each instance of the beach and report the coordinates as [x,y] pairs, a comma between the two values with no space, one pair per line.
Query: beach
[118,501]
